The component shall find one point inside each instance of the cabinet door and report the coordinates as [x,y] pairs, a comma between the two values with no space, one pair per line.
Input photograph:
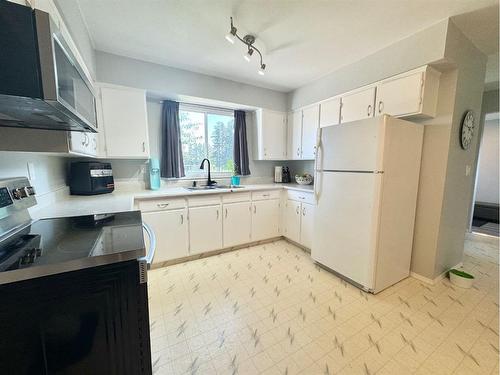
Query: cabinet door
[310,123]
[358,105]
[292,220]
[205,229]
[294,135]
[125,121]
[401,96]
[329,112]
[265,219]
[237,223]
[307,225]
[273,135]
[171,231]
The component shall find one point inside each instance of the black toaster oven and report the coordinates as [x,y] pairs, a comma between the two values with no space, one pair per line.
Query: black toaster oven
[90,178]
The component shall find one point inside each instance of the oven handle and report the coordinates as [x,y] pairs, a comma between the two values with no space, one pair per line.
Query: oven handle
[152,244]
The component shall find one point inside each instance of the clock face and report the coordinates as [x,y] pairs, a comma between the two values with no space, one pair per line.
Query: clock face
[467,130]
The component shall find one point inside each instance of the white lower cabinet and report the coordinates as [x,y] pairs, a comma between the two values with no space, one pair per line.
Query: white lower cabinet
[237,223]
[205,229]
[171,231]
[298,216]
[292,220]
[307,225]
[265,219]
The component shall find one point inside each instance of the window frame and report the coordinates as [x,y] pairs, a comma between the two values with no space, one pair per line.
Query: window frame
[206,110]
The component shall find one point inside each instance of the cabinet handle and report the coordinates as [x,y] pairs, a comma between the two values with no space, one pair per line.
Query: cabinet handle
[182,219]
[298,151]
[265,195]
[369,110]
[303,211]
[297,210]
[226,213]
[314,150]
[143,146]
[162,205]
[380,106]
[217,214]
[254,209]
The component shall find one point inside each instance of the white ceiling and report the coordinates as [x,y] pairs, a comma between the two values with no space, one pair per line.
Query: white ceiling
[302,39]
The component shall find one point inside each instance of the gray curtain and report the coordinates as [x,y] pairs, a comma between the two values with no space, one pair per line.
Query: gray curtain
[172,164]
[240,152]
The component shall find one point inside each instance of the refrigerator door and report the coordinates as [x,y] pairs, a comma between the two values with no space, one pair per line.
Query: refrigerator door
[353,146]
[346,224]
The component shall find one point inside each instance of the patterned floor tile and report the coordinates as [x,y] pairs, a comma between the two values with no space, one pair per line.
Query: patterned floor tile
[269,309]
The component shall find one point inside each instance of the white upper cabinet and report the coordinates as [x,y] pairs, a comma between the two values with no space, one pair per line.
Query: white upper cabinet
[413,93]
[358,105]
[271,135]
[329,112]
[294,134]
[310,124]
[302,127]
[123,116]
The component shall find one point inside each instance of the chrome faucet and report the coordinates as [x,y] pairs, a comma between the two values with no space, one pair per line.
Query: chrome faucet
[209,179]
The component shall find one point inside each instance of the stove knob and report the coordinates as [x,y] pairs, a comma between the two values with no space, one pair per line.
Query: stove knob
[26,259]
[17,193]
[38,252]
[30,190]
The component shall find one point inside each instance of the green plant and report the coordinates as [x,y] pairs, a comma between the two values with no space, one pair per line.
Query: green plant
[463,274]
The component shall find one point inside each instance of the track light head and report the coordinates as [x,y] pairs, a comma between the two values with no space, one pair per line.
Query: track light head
[262,69]
[247,56]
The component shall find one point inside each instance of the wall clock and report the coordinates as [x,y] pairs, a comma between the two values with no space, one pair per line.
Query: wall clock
[467,130]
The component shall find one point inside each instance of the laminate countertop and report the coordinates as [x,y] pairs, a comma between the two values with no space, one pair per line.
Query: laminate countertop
[123,200]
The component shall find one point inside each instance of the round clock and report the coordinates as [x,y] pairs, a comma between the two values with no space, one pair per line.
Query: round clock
[467,130]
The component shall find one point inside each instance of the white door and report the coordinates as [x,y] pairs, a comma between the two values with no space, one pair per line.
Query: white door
[265,219]
[310,124]
[292,220]
[329,112]
[294,135]
[273,135]
[345,224]
[125,121]
[358,105]
[237,223]
[401,96]
[171,231]
[356,146]
[307,225]
[205,229]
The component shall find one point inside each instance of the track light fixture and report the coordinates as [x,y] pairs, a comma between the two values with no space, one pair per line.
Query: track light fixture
[248,40]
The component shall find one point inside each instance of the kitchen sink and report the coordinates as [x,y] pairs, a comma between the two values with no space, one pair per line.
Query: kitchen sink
[212,187]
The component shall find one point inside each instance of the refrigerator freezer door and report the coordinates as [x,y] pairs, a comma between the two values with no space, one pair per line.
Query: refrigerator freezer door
[346,224]
[354,146]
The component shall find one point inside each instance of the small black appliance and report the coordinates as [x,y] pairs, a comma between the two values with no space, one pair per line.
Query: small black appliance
[91,178]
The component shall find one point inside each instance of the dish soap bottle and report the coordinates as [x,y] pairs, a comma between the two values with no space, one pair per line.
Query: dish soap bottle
[154,174]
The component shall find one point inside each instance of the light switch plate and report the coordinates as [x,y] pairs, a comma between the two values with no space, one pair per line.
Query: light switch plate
[31,171]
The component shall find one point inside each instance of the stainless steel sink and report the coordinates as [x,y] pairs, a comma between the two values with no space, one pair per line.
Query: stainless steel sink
[212,187]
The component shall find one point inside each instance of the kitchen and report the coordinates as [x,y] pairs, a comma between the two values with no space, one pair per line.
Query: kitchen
[247,273]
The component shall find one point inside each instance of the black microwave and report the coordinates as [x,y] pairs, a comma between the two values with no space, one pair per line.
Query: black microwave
[91,178]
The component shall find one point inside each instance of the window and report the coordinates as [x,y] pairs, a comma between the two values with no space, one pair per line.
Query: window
[206,133]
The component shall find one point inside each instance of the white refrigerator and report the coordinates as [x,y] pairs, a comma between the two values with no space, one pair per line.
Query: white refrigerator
[367,175]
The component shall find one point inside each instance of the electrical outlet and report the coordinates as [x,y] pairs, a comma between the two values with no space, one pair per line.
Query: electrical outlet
[31,172]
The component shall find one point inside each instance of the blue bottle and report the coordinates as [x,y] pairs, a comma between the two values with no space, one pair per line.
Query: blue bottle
[154,174]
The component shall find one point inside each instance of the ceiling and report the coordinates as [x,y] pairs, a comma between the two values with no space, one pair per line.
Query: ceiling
[302,40]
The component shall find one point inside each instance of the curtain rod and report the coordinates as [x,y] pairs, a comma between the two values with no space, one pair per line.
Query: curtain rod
[204,106]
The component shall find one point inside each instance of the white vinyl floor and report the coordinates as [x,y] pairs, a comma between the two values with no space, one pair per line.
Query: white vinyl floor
[269,309]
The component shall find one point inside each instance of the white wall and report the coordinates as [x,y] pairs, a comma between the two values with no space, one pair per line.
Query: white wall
[50,171]
[487,188]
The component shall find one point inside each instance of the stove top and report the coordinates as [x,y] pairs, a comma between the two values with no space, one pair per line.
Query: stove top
[51,246]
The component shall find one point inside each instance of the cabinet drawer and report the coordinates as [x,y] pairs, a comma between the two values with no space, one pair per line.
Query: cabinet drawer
[206,200]
[149,205]
[235,197]
[300,196]
[266,194]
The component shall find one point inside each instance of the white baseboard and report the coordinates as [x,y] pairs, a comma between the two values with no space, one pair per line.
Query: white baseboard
[436,279]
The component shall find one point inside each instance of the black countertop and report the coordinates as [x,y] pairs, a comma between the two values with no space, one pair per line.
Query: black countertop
[52,246]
